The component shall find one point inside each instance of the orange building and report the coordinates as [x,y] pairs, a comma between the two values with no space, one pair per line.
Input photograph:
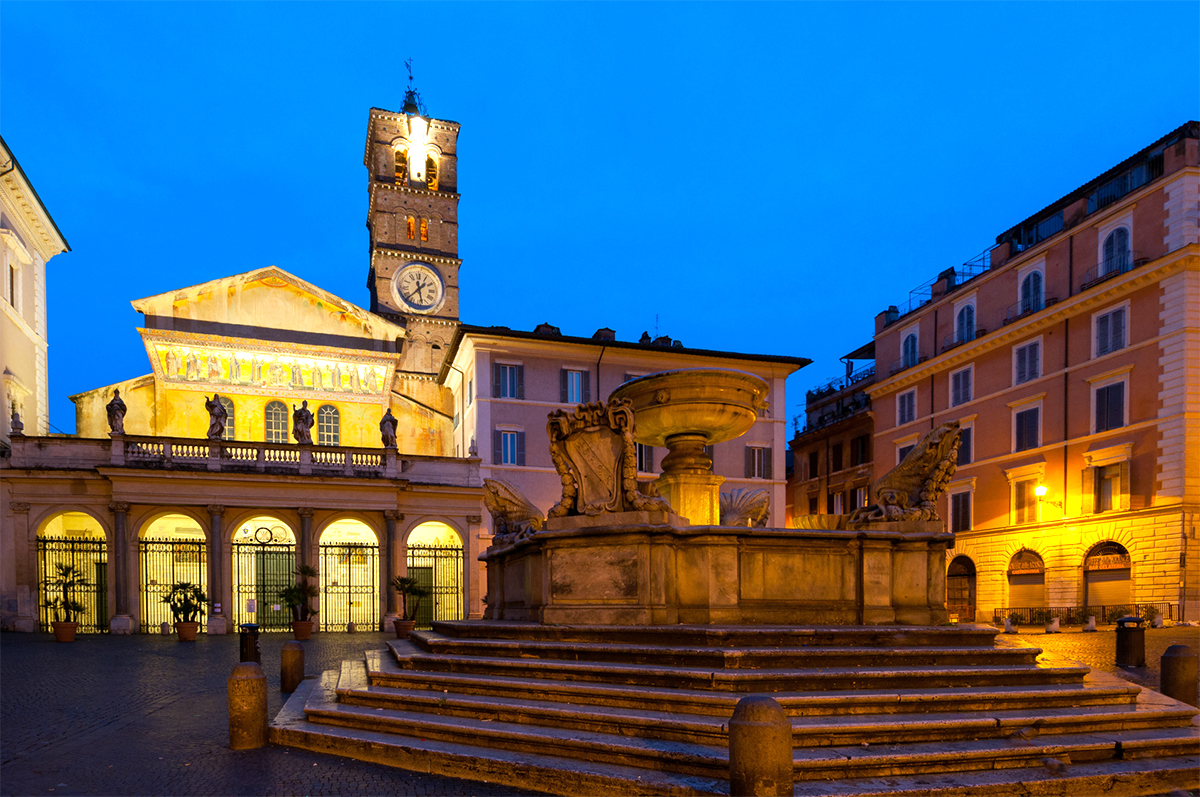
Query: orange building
[1070,355]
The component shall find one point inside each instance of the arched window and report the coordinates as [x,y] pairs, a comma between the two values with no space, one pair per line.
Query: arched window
[910,350]
[412,229]
[276,417]
[1031,293]
[966,323]
[424,229]
[431,172]
[328,426]
[402,166]
[1116,252]
[227,403]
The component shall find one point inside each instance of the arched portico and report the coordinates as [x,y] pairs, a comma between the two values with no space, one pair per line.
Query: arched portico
[350,575]
[434,557]
[263,558]
[73,539]
[172,548]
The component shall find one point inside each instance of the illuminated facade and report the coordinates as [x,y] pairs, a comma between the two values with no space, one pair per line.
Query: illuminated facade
[1070,354]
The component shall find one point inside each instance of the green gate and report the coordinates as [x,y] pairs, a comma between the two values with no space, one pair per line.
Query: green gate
[439,569]
[260,571]
[349,586]
[89,557]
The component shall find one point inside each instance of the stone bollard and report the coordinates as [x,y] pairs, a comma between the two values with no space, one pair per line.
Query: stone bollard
[165,628]
[291,666]
[1131,642]
[1091,623]
[1180,674]
[1052,626]
[247,706]
[1009,626]
[760,749]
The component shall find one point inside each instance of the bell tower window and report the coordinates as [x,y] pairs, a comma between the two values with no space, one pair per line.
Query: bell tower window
[431,172]
[401,166]
[424,229]
[412,228]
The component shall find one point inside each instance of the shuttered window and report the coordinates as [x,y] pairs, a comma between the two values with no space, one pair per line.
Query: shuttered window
[508,448]
[960,512]
[1110,332]
[508,381]
[1116,252]
[1029,362]
[906,407]
[1025,501]
[910,350]
[1027,429]
[964,446]
[758,462]
[574,387]
[1031,293]
[1110,407]
[960,387]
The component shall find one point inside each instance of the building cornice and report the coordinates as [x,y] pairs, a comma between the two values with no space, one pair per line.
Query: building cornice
[23,198]
[422,257]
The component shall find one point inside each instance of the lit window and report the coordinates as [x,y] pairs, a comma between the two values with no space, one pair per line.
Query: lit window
[909,355]
[758,462]
[424,229]
[1110,331]
[858,497]
[960,387]
[509,448]
[965,323]
[431,173]
[401,170]
[574,386]
[276,416]
[645,458]
[1108,486]
[509,381]
[836,503]
[1110,407]
[229,419]
[1028,362]
[906,407]
[411,225]
[1032,298]
[1116,252]
[328,426]
[1028,428]
[960,512]
[1025,501]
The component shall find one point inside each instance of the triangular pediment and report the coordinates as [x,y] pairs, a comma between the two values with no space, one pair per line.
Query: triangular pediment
[268,300]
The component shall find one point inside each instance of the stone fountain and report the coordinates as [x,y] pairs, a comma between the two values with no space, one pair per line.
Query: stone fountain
[615,551]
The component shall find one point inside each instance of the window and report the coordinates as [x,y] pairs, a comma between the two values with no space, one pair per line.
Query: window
[645,458]
[1110,407]
[965,455]
[329,430]
[814,459]
[903,452]
[813,507]
[1027,362]
[1025,501]
[906,408]
[960,387]
[412,228]
[10,288]
[836,503]
[960,512]
[401,171]
[470,391]
[276,416]
[1032,298]
[229,419]
[508,447]
[431,173]
[860,450]
[424,229]
[964,324]
[1116,252]
[508,381]
[835,457]
[858,497]
[1107,487]
[1028,429]
[574,387]
[1110,331]
[908,356]
[758,462]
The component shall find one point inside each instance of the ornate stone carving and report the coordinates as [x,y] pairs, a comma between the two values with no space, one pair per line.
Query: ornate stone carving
[118,507]
[217,417]
[302,424]
[596,459]
[215,509]
[387,429]
[474,519]
[393,514]
[910,490]
[513,515]
[745,508]
[15,426]
[19,507]
[116,413]
[305,511]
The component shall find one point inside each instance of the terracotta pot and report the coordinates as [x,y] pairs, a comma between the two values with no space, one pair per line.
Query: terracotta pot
[187,631]
[403,627]
[302,628]
[65,632]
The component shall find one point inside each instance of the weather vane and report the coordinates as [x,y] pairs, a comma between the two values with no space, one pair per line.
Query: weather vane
[411,95]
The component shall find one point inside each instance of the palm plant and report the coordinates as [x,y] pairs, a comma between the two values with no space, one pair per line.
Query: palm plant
[187,602]
[67,578]
[297,596]
[408,587]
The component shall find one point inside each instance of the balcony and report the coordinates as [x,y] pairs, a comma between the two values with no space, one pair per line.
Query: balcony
[1112,267]
[1019,310]
[955,340]
[841,382]
[903,365]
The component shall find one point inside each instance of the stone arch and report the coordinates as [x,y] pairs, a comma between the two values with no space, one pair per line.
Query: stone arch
[259,570]
[438,561]
[86,551]
[143,520]
[340,515]
[454,525]
[39,520]
[163,557]
[351,574]
[234,520]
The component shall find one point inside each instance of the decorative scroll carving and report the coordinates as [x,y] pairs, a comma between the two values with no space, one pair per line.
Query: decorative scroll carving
[596,459]
[513,515]
[393,514]
[305,511]
[118,507]
[19,507]
[910,490]
[216,509]
[745,508]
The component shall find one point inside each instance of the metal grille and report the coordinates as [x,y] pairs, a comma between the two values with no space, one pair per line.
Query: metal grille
[349,586]
[90,557]
[260,571]
[438,569]
[163,563]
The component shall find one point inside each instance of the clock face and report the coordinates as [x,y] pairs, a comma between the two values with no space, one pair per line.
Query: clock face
[419,288]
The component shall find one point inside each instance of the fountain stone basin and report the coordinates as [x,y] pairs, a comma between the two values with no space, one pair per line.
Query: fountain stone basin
[685,410]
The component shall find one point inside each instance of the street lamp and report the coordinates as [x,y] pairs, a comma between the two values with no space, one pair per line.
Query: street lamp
[1040,492]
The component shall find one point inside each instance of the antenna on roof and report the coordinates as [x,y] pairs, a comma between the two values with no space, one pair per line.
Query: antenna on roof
[412,98]
[656,325]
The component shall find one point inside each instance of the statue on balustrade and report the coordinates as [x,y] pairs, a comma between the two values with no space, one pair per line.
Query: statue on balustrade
[302,424]
[387,429]
[910,490]
[217,417]
[116,413]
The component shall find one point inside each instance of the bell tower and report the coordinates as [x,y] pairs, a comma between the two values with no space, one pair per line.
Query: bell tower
[412,216]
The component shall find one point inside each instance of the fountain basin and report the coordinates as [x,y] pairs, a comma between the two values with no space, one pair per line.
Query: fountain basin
[718,403]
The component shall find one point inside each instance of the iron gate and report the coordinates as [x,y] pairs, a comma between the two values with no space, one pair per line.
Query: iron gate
[89,557]
[260,571]
[163,563]
[439,569]
[349,586]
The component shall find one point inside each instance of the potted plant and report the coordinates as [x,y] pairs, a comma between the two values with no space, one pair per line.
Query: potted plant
[408,587]
[297,597]
[187,602]
[66,609]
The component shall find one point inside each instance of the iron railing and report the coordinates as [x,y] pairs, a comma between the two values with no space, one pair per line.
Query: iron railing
[260,571]
[842,382]
[349,587]
[163,563]
[903,364]
[1027,307]
[1078,615]
[89,557]
[1112,267]
[958,339]
[439,569]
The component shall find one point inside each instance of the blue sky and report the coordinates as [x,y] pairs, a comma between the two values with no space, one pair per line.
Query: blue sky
[752,177]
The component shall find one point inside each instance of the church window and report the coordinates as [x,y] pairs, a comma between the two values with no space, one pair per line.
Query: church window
[276,417]
[412,229]
[431,173]
[329,430]
[229,419]
[424,229]
[402,166]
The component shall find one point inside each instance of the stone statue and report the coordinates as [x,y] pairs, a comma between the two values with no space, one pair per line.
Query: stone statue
[387,428]
[745,508]
[15,426]
[910,490]
[302,424]
[116,413]
[514,517]
[217,417]
[596,459]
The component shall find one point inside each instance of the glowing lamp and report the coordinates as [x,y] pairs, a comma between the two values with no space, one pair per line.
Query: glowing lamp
[1040,491]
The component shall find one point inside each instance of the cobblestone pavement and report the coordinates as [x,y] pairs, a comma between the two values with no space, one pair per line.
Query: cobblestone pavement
[146,714]
[1099,650]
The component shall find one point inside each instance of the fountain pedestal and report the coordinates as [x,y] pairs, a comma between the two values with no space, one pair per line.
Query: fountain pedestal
[695,496]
